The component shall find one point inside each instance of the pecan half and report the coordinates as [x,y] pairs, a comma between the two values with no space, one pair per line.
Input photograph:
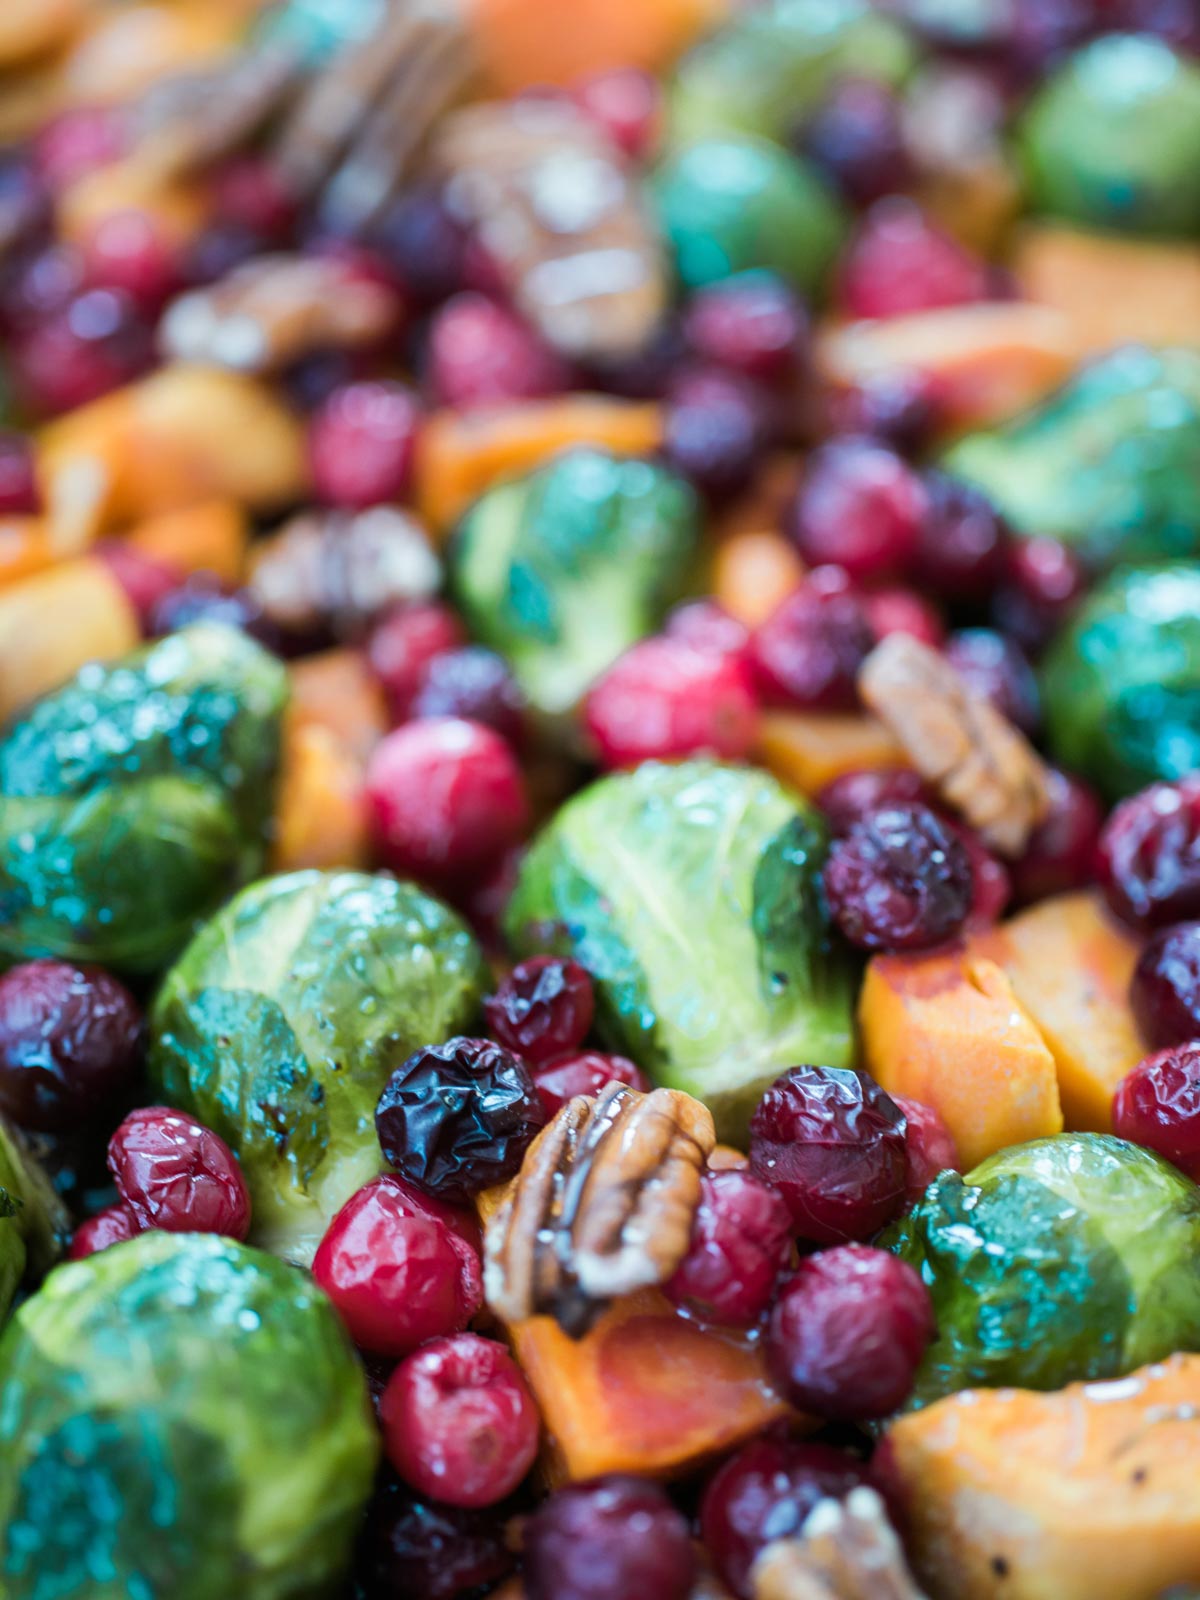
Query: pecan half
[981,765]
[603,1205]
[847,1550]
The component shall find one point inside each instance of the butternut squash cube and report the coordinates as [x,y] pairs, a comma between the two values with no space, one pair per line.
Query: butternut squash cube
[808,749]
[55,622]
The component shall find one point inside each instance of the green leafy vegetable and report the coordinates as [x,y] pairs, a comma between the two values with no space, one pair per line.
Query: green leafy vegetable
[33,1221]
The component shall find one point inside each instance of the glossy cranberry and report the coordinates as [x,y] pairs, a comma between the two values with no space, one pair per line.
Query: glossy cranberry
[76,142]
[475,684]
[626,104]
[606,1537]
[481,353]
[248,192]
[832,1142]
[648,372]
[705,625]
[662,700]
[899,262]
[586,1073]
[1148,861]
[994,669]
[176,1174]
[362,442]
[1158,1105]
[928,1143]
[457,1118]
[1165,988]
[1061,853]
[109,1227]
[860,505]
[19,496]
[201,597]
[963,549]
[425,242]
[145,579]
[96,343]
[991,885]
[851,798]
[752,323]
[715,430]
[899,880]
[808,651]
[542,1009]
[70,1038]
[904,611]
[40,282]
[901,408]
[130,251]
[425,1550]
[403,645]
[459,1423]
[741,1241]
[1045,581]
[25,201]
[447,799]
[766,1492]
[855,137]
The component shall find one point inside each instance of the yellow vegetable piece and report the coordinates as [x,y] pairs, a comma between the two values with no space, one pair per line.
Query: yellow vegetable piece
[55,622]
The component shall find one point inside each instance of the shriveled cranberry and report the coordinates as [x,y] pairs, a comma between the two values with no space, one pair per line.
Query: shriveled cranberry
[1158,1105]
[808,651]
[19,495]
[459,1423]
[860,505]
[609,1536]
[963,548]
[900,262]
[662,699]
[1165,988]
[752,323]
[928,1143]
[766,1492]
[707,626]
[1044,583]
[112,1226]
[994,669]
[900,610]
[899,880]
[247,190]
[361,444]
[543,1008]
[626,103]
[457,1118]
[404,643]
[1061,853]
[1148,861]
[95,343]
[848,800]
[201,597]
[176,1174]
[832,1142]
[481,353]
[741,1240]
[424,241]
[901,408]
[425,1550]
[715,430]
[855,136]
[76,142]
[131,251]
[145,579]
[566,1076]
[70,1039]
[475,684]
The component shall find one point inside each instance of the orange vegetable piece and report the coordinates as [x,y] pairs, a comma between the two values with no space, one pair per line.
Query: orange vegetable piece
[178,209]
[754,570]
[321,813]
[335,690]
[209,537]
[808,749]
[30,28]
[24,548]
[56,621]
[131,47]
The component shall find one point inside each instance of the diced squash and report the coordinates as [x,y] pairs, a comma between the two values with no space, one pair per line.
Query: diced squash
[178,209]
[336,690]
[131,47]
[209,537]
[24,548]
[1090,1493]
[808,749]
[55,622]
[321,813]
[523,43]
[976,203]
[946,1029]
[753,571]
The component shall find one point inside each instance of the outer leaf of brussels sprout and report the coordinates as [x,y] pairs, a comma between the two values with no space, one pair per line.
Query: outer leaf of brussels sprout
[281,1021]
[688,891]
[12,1249]
[183,1416]
[39,1215]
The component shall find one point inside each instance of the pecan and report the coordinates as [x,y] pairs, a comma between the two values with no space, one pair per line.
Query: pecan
[603,1205]
[847,1550]
[981,765]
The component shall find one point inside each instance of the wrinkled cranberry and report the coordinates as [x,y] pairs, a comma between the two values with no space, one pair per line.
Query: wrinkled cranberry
[606,1537]
[626,104]
[1148,861]
[766,1492]
[362,442]
[848,800]
[855,137]
[459,1423]
[481,353]
[963,548]
[457,1118]
[900,408]
[203,598]
[248,191]
[928,1143]
[904,611]
[1061,853]
[715,430]
[994,669]
[474,684]
[707,626]
[176,1174]
[900,262]
[1158,1105]
[566,1076]
[752,323]
[899,880]
[832,1142]
[70,1038]
[19,495]
[424,242]
[991,886]
[425,1550]
[662,700]
[146,580]
[741,1240]
[94,344]
[542,1009]
[808,651]
[860,505]
[404,644]
[1165,988]
[1045,581]
[129,250]
[109,1227]
[76,142]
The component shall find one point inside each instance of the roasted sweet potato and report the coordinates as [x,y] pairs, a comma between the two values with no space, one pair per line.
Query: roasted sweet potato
[24,548]
[209,537]
[754,570]
[54,622]
[321,812]
[808,749]
[336,690]
[528,42]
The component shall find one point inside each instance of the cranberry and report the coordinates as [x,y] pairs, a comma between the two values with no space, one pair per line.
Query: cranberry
[1176,21]
[928,1143]
[221,248]
[94,344]
[850,799]
[626,104]
[362,443]
[25,203]
[542,1009]
[994,669]
[766,1492]
[610,1536]
[904,611]
[176,1174]
[19,496]
[662,700]
[648,372]
[403,645]
[76,142]
[484,900]
[128,250]
[832,1142]
[856,138]
[566,1076]
[752,323]
[715,430]
[459,1423]
[808,651]
[424,242]
[899,880]
[741,1241]
[1158,1105]
[113,1226]
[424,1550]
[310,381]
[900,408]
[39,283]
[70,1038]
[481,353]
[248,192]
[991,886]
[1044,583]
[145,579]
[1165,988]
[860,505]
[457,1118]
[203,598]
[1148,861]
[963,549]
[899,262]
[475,684]
[705,625]
[1061,853]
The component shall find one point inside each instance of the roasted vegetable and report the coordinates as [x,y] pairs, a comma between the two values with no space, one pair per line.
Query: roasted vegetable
[33,1223]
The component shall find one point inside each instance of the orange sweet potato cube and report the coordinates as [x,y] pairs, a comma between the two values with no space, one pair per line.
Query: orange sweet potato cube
[808,749]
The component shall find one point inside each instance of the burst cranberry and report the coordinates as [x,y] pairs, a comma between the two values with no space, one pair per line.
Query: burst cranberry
[565,1077]
[129,250]
[900,262]
[176,1174]
[18,485]
[899,880]
[832,1142]
[995,670]
[741,1240]
[705,625]
[610,1536]
[904,611]
[663,700]
[1158,1105]
[542,1009]
[475,684]
[362,442]
[928,1143]
[626,104]
[403,645]
[70,1038]
[855,137]
[860,505]
[109,1227]
[1165,990]
[899,408]
[1061,853]
[459,1423]
[249,192]
[425,1550]
[201,597]
[808,651]
[1044,583]
[752,323]
[963,549]
[94,344]
[1148,860]
[76,142]
[850,799]
[480,354]
[715,430]
[145,579]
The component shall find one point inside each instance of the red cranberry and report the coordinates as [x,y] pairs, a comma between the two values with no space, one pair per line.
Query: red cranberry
[128,250]
[995,670]
[1165,989]
[176,1174]
[741,1241]
[37,284]
[752,323]
[425,1550]
[203,598]
[902,409]
[626,104]
[484,900]
[991,886]
[1176,21]
[1061,853]
[218,250]
[706,626]
[475,684]
[860,505]
[856,138]
[425,243]
[93,345]
[715,430]
[832,1142]
[145,579]
[808,651]
[113,1226]
[362,443]
[1158,1105]
[248,192]
[850,799]
[662,700]
[76,142]
[459,1423]
[542,1009]
[610,1536]
[904,611]
[566,1076]
[899,880]
[403,645]
[1148,861]
[19,496]
[963,549]
[481,353]
[1045,581]
[648,372]
[900,262]
[766,1492]
[70,1038]
[928,1143]
[848,1332]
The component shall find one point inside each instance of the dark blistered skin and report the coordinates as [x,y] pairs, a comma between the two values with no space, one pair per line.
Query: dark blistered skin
[611,1536]
[808,651]
[542,1009]
[177,1175]
[1165,989]
[1158,1105]
[741,1241]
[900,880]
[1149,856]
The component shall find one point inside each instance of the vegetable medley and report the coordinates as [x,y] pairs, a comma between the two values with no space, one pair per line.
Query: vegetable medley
[600,800]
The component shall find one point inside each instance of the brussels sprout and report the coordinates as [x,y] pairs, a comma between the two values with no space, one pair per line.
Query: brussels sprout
[1068,1258]
[730,204]
[183,1417]
[282,1020]
[564,569]
[1113,138]
[1121,684]
[1108,464]
[33,1220]
[318,29]
[692,895]
[134,799]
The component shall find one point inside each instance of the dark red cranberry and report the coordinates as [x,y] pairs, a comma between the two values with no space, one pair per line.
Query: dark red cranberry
[176,1174]
[457,1118]
[70,1038]
[1148,861]
[808,651]
[991,886]
[25,202]
[626,104]
[109,1227]
[38,284]
[484,900]
[610,1536]
[425,1550]
[1165,989]
[129,250]
[218,250]
[899,880]
[899,262]
[362,443]
[848,1332]
[928,1143]
[1061,853]
[752,323]
[76,142]
[663,700]
[1044,583]
[96,343]
[715,430]
[741,1241]
[424,242]
[459,1423]
[566,1076]
[201,597]
[766,1492]
[904,611]
[481,353]
[855,137]
[1176,21]
[19,496]
[475,684]
[963,549]
[994,669]
[248,191]
[146,580]
[1158,1105]
[860,505]
[850,799]
[902,409]
[403,645]
[705,625]
[648,372]
[542,1009]
[832,1142]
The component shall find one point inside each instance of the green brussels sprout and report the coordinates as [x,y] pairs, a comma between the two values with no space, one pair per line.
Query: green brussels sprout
[1121,683]
[562,570]
[283,1019]
[692,895]
[136,797]
[732,203]
[183,1419]
[1112,139]
[33,1221]
[1108,464]
[318,29]
[1067,1258]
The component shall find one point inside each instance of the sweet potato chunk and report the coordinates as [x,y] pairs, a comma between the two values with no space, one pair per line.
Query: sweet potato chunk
[808,749]
[754,571]
[55,622]
[209,537]
[321,812]
[336,690]
[528,42]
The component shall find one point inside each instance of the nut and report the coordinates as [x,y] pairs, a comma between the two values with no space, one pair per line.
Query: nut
[847,1550]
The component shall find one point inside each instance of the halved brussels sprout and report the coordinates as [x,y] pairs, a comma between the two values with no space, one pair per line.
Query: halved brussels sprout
[692,895]
[33,1220]
[182,1417]
[283,1019]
